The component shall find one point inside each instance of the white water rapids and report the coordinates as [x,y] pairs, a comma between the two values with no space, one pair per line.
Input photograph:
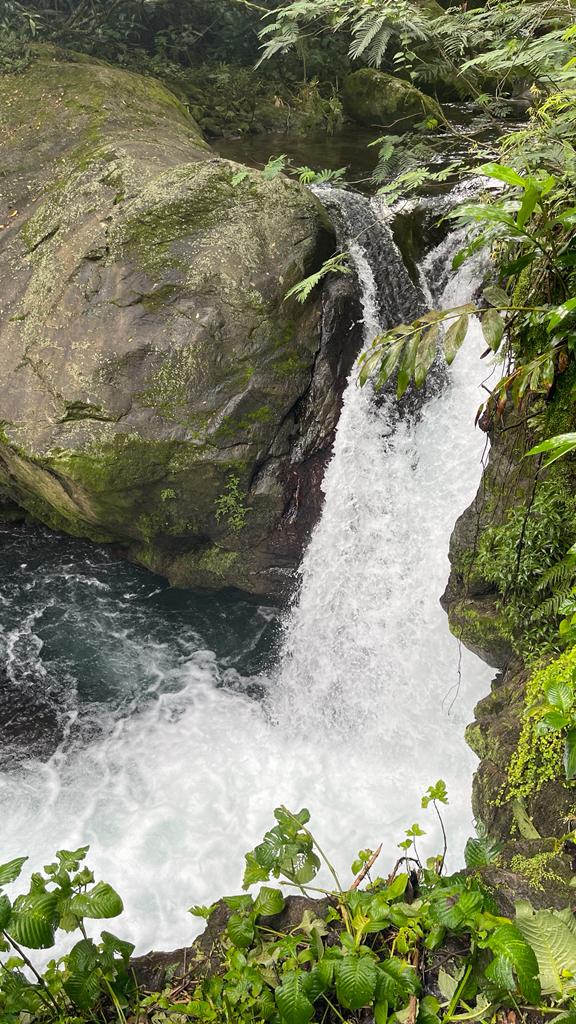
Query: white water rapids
[357,721]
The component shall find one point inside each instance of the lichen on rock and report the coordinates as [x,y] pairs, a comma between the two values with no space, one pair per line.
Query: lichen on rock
[147,345]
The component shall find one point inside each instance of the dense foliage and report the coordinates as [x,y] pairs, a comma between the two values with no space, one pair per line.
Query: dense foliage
[355,955]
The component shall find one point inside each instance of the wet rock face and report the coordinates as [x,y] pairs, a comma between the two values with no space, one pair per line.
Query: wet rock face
[373,97]
[158,393]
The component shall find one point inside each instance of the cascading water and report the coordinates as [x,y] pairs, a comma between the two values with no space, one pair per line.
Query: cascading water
[171,767]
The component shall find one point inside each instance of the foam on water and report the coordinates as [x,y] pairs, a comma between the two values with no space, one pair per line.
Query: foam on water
[356,722]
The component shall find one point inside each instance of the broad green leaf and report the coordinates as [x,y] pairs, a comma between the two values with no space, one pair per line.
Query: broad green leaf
[493,328]
[381,1013]
[560,695]
[269,902]
[481,850]
[560,313]
[554,447]
[508,944]
[428,1010]
[454,337]
[426,354]
[496,296]
[395,982]
[356,978]
[553,943]
[254,872]
[241,931]
[83,982]
[500,172]
[396,888]
[570,755]
[500,971]
[293,1005]
[10,871]
[528,205]
[34,919]
[239,903]
[447,984]
[113,944]
[70,859]
[101,901]
[314,983]
[5,911]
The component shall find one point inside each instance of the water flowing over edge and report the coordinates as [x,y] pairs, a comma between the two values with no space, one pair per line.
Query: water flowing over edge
[369,702]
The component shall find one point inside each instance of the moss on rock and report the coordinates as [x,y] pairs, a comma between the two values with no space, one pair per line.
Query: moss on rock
[146,343]
[373,97]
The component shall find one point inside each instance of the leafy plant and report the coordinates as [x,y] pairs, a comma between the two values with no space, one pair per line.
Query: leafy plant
[62,898]
[231,505]
[337,264]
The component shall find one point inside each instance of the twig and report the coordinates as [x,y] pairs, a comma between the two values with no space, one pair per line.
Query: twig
[369,863]
[413,1002]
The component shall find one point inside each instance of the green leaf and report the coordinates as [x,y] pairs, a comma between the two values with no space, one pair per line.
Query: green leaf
[493,328]
[560,695]
[293,1005]
[381,1013]
[254,872]
[426,354]
[10,871]
[428,1010]
[454,337]
[481,850]
[407,363]
[240,904]
[510,947]
[556,447]
[529,202]
[553,943]
[496,296]
[356,978]
[101,901]
[241,931]
[5,911]
[269,902]
[395,982]
[238,178]
[34,919]
[83,983]
[500,172]
[570,755]
[112,944]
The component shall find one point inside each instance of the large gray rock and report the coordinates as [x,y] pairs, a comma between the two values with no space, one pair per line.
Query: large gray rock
[157,392]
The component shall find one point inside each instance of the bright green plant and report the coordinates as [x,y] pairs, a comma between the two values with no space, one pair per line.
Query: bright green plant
[231,505]
[355,954]
[556,712]
[94,975]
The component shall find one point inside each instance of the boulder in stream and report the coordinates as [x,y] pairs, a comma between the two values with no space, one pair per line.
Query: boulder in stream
[157,391]
[373,97]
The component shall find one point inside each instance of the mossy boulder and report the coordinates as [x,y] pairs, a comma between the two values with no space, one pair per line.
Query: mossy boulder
[373,97]
[157,392]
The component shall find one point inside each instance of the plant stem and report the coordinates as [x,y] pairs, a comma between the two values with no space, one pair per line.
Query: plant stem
[31,967]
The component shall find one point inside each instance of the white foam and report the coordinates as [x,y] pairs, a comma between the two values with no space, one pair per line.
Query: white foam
[356,724]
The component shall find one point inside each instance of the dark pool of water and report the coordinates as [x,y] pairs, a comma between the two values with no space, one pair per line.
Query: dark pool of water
[86,637]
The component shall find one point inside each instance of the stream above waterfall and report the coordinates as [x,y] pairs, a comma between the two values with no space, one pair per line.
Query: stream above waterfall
[163,727]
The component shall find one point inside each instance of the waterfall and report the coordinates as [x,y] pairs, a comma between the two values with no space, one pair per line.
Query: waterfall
[368,702]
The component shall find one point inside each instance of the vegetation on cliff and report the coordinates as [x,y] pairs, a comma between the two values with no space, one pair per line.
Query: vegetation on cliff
[413,947]
[364,954]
